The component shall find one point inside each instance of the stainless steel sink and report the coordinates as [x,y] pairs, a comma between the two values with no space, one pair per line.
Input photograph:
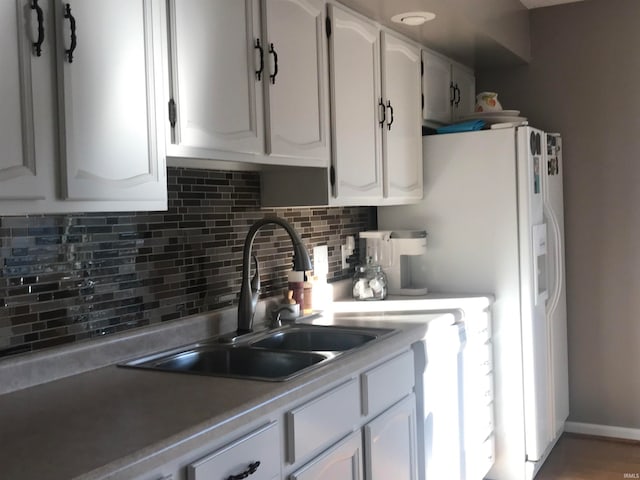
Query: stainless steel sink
[243,362]
[312,338]
[276,355]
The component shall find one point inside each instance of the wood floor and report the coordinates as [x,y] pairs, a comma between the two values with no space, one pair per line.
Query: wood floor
[579,457]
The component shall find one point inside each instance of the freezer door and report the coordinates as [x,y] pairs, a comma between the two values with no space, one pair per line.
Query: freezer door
[537,387]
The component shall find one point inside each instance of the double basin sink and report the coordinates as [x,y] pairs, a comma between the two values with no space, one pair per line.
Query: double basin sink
[275,355]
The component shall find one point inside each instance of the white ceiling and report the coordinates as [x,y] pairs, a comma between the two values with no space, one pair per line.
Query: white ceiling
[545,3]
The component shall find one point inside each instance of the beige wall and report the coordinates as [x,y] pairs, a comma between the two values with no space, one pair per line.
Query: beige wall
[584,81]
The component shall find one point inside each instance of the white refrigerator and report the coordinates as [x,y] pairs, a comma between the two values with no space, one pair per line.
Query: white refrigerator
[493,211]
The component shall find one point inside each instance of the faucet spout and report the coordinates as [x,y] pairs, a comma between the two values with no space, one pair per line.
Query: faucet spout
[248,297]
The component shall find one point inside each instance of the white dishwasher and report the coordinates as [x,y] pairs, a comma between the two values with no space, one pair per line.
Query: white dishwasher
[454,380]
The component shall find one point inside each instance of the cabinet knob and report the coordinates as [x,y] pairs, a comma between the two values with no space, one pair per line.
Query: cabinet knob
[37,45]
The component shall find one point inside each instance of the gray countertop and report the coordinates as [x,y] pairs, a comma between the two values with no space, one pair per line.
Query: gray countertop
[96,423]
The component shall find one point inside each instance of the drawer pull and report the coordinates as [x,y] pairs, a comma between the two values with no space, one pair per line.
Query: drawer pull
[249,471]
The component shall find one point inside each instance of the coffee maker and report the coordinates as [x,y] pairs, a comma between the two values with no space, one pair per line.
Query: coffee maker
[397,252]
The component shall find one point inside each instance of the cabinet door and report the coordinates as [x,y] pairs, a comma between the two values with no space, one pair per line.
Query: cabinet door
[465,100]
[107,99]
[402,140]
[298,123]
[391,445]
[216,80]
[341,462]
[354,52]
[19,173]
[436,88]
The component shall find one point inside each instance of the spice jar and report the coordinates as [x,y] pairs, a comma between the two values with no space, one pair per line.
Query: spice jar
[369,283]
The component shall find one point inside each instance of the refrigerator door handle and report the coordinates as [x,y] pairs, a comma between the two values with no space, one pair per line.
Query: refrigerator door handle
[557,272]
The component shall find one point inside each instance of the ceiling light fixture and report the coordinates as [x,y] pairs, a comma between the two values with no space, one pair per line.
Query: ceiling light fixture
[413,18]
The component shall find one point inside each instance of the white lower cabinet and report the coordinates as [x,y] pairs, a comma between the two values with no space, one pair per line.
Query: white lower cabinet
[380,407]
[362,427]
[390,443]
[317,424]
[256,455]
[341,462]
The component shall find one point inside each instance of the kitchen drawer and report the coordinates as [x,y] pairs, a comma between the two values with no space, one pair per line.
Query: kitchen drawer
[258,452]
[388,383]
[314,426]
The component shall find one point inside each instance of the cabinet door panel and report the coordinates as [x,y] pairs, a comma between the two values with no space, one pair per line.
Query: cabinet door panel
[466,82]
[341,462]
[18,170]
[297,95]
[215,85]
[436,88]
[391,445]
[402,143]
[355,90]
[107,101]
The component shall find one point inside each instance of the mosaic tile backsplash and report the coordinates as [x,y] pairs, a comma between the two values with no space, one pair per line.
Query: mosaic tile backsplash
[72,277]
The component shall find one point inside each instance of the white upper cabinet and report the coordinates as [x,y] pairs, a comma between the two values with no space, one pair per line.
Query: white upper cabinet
[354,52]
[402,139]
[248,82]
[297,97]
[464,84]
[448,89]
[437,88]
[376,155]
[20,175]
[217,70]
[107,56]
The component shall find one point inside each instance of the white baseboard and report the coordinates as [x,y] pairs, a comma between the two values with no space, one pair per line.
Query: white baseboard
[602,430]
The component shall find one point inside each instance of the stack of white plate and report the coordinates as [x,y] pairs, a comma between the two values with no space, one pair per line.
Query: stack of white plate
[509,117]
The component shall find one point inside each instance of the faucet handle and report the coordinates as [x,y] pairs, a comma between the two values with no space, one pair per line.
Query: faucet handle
[255,280]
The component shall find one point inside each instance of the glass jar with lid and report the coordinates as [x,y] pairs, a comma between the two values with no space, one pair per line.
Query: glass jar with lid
[369,282]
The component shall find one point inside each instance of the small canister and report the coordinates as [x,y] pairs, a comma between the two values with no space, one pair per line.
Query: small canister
[369,283]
